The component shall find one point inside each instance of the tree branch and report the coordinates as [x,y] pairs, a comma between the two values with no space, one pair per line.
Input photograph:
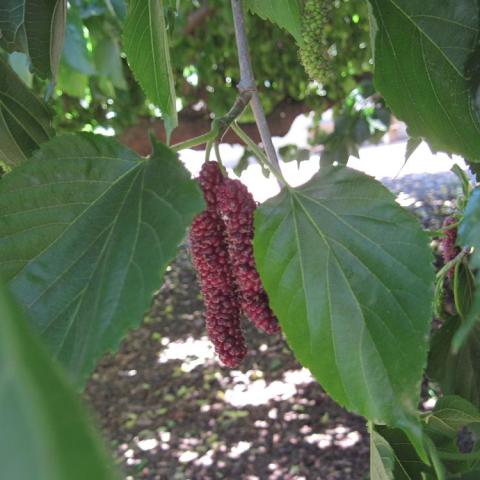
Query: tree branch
[247,83]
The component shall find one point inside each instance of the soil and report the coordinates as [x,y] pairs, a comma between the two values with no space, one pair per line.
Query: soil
[171,411]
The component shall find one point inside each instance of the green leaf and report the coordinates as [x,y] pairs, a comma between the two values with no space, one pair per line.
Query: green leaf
[422,51]
[412,145]
[382,458]
[474,475]
[286,14]
[24,119]
[71,81]
[401,457]
[147,47]
[45,29]
[469,235]
[45,434]
[463,288]
[443,425]
[457,374]
[349,274]
[450,414]
[109,63]
[75,51]
[86,230]
[12,29]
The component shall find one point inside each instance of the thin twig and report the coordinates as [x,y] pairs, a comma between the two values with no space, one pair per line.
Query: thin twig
[247,84]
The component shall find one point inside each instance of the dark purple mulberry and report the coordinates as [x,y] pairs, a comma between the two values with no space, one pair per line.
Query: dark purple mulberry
[448,243]
[211,260]
[237,208]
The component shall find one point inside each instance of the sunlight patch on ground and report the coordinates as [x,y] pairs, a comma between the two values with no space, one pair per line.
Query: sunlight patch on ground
[339,436]
[257,392]
[147,444]
[193,352]
[239,448]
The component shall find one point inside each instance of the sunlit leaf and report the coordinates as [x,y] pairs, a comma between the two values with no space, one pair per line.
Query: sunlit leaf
[146,44]
[349,275]
[285,13]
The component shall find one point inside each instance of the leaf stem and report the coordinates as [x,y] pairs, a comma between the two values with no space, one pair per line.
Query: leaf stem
[216,147]
[257,151]
[195,142]
[452,263]
[247,84]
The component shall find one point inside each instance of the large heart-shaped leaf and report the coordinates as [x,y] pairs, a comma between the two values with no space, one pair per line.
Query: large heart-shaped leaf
[349,274]
[86,229]
[147,47]
[45,433]
[24,119]
[422,54]
[286,14]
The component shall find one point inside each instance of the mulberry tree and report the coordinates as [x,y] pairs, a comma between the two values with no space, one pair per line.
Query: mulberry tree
[336,266]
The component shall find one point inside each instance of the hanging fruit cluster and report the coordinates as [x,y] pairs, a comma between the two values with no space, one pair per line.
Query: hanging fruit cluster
[222,252]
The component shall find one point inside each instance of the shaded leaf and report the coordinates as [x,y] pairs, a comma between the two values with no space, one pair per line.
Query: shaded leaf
[422,51]
[469,235]
[355,305]
[108,61]
[382,458]
[24,119]
[12,29]
[406,462]
[450,417]
[45,433]
[412,145]
[286,14]
[75,52]
[71,81]
[463,288]
[45,29]
[147,47]
[456,374]
[86,231]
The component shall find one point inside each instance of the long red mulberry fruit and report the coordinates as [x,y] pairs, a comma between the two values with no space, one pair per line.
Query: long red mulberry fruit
[448,243]
[211,260]
[237,208]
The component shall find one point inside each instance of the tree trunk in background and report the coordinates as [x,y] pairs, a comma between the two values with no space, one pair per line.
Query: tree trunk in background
[193,124]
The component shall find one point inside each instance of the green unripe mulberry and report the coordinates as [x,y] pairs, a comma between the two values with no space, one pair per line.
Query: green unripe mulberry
[314,52]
